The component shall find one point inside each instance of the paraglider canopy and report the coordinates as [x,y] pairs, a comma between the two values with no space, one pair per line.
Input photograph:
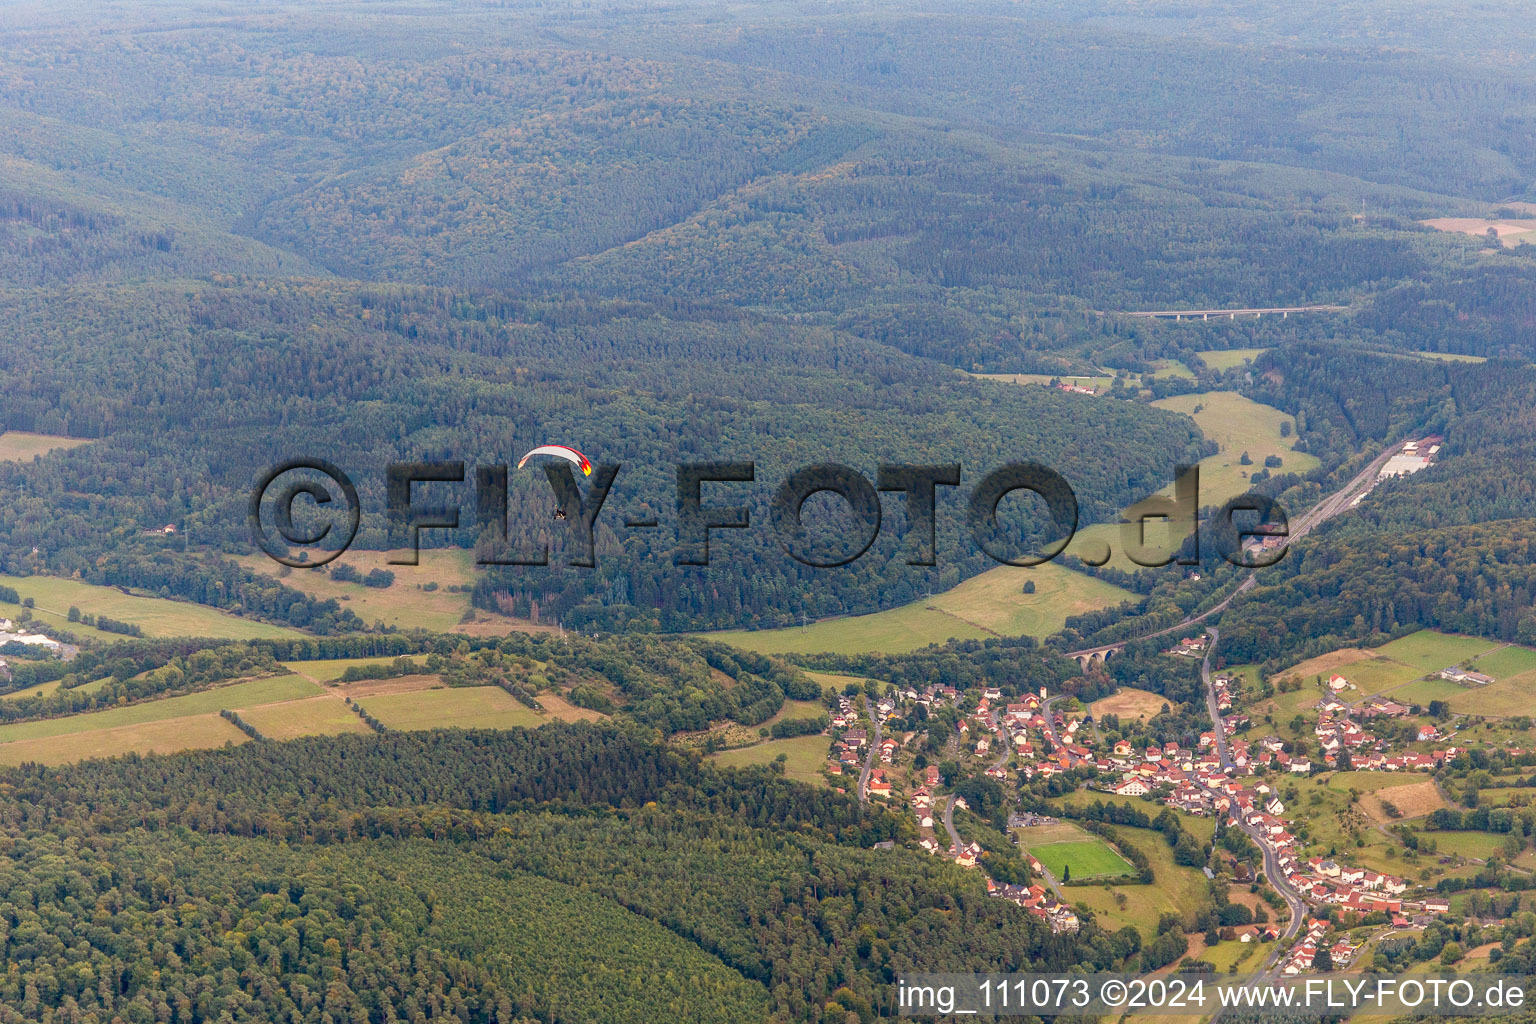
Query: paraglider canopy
[559,451]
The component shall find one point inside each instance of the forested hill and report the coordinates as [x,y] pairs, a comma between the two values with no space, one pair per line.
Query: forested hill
[695,232]
[205,386]
[565,874]
[1448,547]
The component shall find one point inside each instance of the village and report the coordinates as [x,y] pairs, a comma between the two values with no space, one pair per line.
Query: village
[1037,736]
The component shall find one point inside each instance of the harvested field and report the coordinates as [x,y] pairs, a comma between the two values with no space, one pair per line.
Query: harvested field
[380,687]
[166,736]
[1509,232]
[312,716]
[1414,801]
[565,711]
[1129,702]
[1327,664]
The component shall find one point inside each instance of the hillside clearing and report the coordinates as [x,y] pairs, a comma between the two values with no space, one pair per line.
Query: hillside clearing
[167,736]
[20,446]
[156,616]
[991,604]
[464,707]
[250,693]
[805,756]
[309,716]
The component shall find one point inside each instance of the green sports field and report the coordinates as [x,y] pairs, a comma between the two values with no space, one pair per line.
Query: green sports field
[1176,889]
[1090,858]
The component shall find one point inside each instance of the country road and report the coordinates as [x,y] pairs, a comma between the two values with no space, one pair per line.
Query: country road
[874,750]
[949,826]
[1272,869]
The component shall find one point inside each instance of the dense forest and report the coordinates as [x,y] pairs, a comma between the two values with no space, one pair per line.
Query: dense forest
[689,232]
[766,242]
[564,874]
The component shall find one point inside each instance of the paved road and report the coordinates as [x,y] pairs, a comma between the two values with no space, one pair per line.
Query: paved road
[874,749]
[1272,869]
[1331,506]
[1004,747]
[949,826]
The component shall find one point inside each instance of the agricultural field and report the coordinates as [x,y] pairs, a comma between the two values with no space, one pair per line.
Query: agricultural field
[41,690]
[399,684]
[1510,233]
[1172,368]
[837,682]
[1324,811]
[1327,664]
[1237,425]
[328,670]
[1514,695]
[156,616]
[894,631]
[1379,675]
[402,604]
[20,446]
[991,604]
[805,756]
[1230,358]
[1098,383]
[1506,661]
[1423,691]
[1250,674]
[465,707]
[308,716]
[1226,955]
[1412,800]
[1283,707]
[1452,357]
[167,736]
[1430,651]
[560,709]
[247,694]
[1128,702]
[1475,845]
[797,710]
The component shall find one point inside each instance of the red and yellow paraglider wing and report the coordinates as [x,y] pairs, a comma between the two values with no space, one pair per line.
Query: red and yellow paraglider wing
[560,451]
